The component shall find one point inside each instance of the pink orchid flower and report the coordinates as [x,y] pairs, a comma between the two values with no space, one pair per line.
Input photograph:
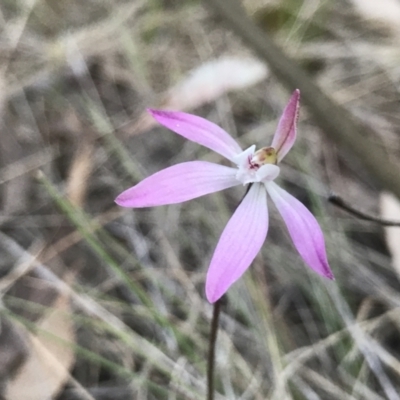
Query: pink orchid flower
[246,231]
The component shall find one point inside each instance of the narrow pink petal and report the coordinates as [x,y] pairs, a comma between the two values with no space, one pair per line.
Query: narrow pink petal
[303,229]
[178,183]
[198,130]
[239,244]
[285,134]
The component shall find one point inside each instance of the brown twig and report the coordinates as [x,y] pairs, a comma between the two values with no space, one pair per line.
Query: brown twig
[339,202]
[211,350]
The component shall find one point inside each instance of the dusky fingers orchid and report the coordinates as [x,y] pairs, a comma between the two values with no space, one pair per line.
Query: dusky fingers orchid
[246,231]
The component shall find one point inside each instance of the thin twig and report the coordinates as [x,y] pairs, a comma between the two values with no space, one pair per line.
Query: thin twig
[211,350]
[339,202]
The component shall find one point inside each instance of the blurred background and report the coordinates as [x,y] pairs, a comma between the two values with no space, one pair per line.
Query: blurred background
[100,302]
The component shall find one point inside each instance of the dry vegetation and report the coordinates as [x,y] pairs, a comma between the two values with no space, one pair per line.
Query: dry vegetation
[103,303]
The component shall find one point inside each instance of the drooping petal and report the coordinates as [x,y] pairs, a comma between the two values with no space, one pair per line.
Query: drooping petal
[303,228]
[198,130]
[178,183]
[285,134]
[239,244]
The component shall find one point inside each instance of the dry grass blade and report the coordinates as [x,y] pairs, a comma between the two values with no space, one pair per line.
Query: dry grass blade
[390,209]
[325,384]
[79,173]
[47,368]
[27,164]
[384,12]
[20,269]
[212,79]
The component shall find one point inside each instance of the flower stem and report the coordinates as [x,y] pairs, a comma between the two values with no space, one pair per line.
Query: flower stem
[211,350]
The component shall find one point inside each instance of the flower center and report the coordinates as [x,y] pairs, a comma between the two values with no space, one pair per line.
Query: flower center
[257,166]
[266,155]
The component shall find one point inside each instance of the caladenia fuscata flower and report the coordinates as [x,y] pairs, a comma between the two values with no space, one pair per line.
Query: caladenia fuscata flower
[246,231]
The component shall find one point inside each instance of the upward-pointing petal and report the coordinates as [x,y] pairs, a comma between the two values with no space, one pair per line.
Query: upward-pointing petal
[303,229]
[198,130]
[239,244]
[178,183]
[286,131]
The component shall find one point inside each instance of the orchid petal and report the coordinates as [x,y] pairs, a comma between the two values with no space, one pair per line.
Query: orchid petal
[178,183]
[239,244]
[267,172]
[285,134]
[198,130]
[242,159]
[303,229]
